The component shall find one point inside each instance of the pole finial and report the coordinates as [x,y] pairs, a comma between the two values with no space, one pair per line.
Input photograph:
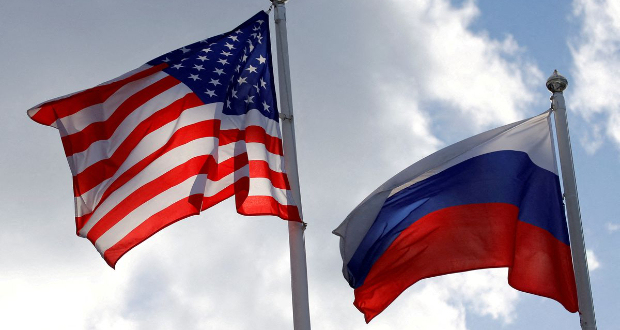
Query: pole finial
[556,83]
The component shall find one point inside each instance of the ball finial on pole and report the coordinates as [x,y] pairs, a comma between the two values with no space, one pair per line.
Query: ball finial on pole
[556,83]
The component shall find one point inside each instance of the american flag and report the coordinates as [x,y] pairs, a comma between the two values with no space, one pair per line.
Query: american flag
[175,137]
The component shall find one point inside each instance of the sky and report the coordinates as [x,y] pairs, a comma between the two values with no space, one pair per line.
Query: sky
[377,85]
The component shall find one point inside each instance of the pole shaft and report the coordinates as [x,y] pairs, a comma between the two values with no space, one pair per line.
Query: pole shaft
[299,273]
[578,249]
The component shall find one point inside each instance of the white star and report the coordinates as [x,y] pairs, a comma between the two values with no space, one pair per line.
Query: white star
[210,93]
[249,99]
[206,50]
[226,53]
[263,83]
[266,107]
[251,69]
[234,93]
[238,31]
[260,38]
[261,59]
[234,38]
[185,50]
[241,80]
[228,103]
[238,68]
[256,28]
[202,58]
[166,60]
[244,58]
[229,46]
[257,89]
[177,66]
[198,67]
[194,76]
[260,22]
[219,71]
[215,82]
[184,59]
[223,61]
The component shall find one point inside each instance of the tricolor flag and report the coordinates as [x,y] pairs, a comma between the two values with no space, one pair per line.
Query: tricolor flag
[173,138]
[492,200]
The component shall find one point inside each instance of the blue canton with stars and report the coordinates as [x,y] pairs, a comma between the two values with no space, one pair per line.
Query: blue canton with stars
[234,68]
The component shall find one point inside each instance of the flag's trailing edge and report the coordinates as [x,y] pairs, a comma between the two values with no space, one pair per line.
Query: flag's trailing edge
[492,200]
[175,137]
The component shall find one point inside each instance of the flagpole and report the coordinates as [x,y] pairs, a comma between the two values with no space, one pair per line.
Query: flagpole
[299,273]
[557,84]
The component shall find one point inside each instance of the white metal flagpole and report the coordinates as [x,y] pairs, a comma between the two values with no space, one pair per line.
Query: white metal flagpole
[299,273]
[557,84]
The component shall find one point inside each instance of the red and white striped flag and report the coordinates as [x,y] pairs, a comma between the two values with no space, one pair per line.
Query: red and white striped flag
[175,137]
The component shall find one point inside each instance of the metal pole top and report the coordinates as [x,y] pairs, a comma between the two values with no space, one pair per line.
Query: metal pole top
[556,83]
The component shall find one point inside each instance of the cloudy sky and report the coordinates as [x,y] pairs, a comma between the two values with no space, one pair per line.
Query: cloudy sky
[376,86]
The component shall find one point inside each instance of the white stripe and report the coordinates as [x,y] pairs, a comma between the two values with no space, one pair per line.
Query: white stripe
[104,149]
[252,118]
[256,151]
[194,185]
[264,187]
[101,150]
[531,137]
[102,111]
[191,186]
[161,165]
[157,168]
[149,144]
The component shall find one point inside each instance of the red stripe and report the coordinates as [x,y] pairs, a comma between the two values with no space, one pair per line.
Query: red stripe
[105,169]
[543,266]
[104,130]
[141,195]
[53,110]
[180,210]
[253,205]
[183,135]
[267,205]
[252,134]
[468,237]
[260,169]
[198,165]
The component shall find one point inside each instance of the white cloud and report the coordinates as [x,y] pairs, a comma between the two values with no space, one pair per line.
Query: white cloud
[486,81]
[410,128]
[487,292]
[596,57]
[612,227]
[593,262]
[52,298]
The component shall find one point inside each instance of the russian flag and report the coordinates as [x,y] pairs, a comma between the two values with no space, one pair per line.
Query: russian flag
[492,200]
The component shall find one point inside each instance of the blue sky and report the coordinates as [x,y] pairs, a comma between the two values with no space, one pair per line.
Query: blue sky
[376,87]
